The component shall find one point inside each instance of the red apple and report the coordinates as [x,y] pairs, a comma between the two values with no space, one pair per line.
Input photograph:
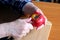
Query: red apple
[38,21]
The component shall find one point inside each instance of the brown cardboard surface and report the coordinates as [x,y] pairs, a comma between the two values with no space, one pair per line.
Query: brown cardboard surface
[41,34]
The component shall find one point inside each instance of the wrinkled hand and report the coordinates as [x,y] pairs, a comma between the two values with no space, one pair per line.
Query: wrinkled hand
[17,29]
[33,9]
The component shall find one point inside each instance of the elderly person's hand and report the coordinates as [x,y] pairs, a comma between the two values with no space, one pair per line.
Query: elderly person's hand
[16,29]
[39,19]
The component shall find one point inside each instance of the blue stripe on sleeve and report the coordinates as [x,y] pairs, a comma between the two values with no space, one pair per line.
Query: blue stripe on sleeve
[18,4]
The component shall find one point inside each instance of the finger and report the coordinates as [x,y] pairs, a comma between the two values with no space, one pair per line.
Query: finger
[26,31]
[30,26]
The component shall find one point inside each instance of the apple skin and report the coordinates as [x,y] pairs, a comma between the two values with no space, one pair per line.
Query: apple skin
[37,22]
